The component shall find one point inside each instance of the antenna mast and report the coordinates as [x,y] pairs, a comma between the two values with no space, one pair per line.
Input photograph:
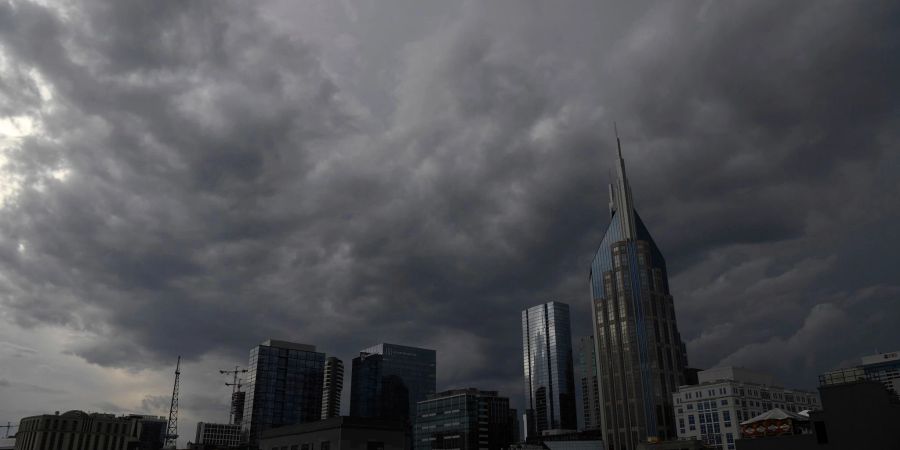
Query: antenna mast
[172,428]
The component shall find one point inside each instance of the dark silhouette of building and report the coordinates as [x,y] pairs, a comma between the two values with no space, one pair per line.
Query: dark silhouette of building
[388,379]
[640,354]
[464,419]
[338,433]
[284,387]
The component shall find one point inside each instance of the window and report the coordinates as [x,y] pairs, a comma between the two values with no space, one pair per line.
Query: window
[325,445]
[726,415]
[374,445]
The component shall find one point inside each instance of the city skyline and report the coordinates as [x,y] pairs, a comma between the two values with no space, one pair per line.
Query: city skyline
[339,174]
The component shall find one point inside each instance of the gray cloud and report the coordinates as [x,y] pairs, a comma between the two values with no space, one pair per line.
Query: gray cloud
[227,180]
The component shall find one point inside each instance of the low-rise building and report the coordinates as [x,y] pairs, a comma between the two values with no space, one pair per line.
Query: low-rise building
[855,415]
[712,410]
[78,430]
[882,367]
[338,433]
[464,419]
[222,435]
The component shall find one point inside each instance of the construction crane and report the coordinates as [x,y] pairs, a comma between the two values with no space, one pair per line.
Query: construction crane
[172,427]
[235,389]
[8,426]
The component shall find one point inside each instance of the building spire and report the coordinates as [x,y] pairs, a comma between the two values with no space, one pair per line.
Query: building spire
[620,194]
[618,142]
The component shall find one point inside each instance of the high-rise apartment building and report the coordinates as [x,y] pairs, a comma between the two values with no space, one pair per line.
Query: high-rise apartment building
[284,387]
[388,380]
[332,388]
[713,410]
[640,355]
[586,384]
[464,419]
[549,369]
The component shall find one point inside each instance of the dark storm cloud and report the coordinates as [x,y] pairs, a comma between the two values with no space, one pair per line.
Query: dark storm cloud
[221,188]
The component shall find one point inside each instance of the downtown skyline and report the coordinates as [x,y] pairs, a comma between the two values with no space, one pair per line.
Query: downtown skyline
[339,181]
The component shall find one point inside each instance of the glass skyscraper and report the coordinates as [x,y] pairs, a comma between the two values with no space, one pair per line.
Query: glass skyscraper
[587,384]
[640,355]
[284,387]
[549,373]
[388,380]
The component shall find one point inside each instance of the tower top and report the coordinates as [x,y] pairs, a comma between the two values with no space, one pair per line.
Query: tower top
[620,193]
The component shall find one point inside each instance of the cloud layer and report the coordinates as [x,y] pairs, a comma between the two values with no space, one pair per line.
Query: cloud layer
[194,178]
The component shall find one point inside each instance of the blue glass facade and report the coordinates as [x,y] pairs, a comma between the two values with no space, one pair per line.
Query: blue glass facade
[548,365]
[640,355]
[284,387]
[388,380]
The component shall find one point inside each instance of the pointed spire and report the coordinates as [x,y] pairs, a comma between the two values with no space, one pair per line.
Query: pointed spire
[620,194]
[618,142]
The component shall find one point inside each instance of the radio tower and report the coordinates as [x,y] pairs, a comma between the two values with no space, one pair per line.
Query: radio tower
[237,400]
[172,428]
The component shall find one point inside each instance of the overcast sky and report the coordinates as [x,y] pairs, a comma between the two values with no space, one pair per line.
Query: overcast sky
[192,178]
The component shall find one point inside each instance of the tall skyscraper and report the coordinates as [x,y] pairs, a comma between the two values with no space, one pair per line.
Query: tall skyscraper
[331,390]
[284,387]
[549,373]
[587,384]
[640,355]
[388,380]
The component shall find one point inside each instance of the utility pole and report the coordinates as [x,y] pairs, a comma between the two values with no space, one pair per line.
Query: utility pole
[235,389]
[172,427]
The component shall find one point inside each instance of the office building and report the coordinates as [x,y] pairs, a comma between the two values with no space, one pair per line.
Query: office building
[284,387]
[332,388]
[640,354]
[549,369]
[464,419]
[80,430]
[855,414]
[388,380]
[338,433]
[152,432]
[881,367]
[713,410]
[218,435]
[586,386]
